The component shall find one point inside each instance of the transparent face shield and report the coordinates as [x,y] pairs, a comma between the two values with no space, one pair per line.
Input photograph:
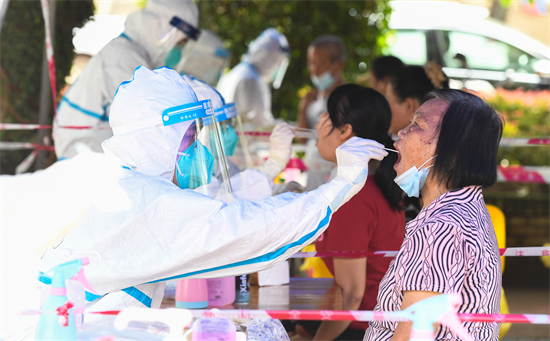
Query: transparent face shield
[280,72]
[210,139]
[172,43]
[206,59]
[233,139]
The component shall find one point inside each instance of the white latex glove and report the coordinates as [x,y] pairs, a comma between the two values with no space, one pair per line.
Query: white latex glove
[352,159]
[280,150]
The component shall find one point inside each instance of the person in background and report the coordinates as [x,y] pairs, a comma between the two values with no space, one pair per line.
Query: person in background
[248,83]
[148,37]
[381,69]
[407,89]
[326,57]
[448,153]
[373,220]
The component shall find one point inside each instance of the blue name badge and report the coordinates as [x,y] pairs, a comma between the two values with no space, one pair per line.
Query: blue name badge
[187,112]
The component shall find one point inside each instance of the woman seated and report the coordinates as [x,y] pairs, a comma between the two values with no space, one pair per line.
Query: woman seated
[447,154]
[372,220]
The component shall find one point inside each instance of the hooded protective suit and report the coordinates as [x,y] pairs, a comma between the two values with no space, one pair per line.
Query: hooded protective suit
[172,233]
[147,39]
[247,84]
[206,59]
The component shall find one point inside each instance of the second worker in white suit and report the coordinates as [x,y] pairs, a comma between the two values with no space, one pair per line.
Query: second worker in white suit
[148,37]
[248,83]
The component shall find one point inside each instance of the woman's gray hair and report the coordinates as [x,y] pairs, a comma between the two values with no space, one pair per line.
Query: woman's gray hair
[335,47]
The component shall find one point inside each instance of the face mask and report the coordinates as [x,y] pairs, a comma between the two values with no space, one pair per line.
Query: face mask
[412,181]
[229,140]
[173,57]
[324,81]
[194,167]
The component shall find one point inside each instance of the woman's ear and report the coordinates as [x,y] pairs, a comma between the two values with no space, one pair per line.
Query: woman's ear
[346,132]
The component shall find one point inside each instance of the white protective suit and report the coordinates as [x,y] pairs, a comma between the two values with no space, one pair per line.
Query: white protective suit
[175,233]
[205,59]
[250,184]
[87,102]
[30,221]
[248,83]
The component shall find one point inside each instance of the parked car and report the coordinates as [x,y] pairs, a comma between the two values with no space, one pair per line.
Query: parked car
[467,44]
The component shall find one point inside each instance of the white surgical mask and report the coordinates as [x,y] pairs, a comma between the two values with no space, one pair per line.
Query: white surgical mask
[412,181]
[324,81]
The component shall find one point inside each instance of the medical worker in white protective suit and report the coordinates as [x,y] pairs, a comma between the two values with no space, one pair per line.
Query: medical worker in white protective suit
[249,184]
[172,232]
[205,59]
[149,35]
[248,83]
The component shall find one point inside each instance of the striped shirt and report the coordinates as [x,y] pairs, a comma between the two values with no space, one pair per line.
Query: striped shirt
[450,247]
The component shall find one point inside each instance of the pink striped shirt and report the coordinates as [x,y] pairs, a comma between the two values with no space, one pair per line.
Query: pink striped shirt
[450,246]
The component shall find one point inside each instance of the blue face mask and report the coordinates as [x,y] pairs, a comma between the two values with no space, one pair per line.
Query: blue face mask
[173,57]
[412,181]
[323,82]
[229,139]
[194,167]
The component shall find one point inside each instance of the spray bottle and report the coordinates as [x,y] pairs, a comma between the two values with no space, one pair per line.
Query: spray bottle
[437,309]
[75,287]
[57,320]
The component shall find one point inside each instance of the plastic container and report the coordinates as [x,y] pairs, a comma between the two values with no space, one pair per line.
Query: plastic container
[221,291]
[242,289]
[77,295]
[191,294]
[215,328]
[265,330]
[52,326]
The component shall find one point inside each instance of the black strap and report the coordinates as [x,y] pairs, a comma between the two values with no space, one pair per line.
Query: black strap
[185,27]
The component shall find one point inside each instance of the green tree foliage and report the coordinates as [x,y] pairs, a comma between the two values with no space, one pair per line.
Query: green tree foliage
[21,53]
[362,25]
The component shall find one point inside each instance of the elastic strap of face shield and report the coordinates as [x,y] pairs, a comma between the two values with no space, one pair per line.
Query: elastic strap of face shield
[169,116]
[192,32]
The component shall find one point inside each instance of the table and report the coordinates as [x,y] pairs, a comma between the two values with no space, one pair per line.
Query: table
[300,294]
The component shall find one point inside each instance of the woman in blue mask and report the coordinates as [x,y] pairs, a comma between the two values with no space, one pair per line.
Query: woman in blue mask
[371,221]
[447,154]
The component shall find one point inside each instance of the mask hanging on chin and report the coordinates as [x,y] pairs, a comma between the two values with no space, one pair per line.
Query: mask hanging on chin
[324,81]
[412,181]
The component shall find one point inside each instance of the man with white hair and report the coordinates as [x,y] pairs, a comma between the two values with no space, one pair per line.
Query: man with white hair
[150,34]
